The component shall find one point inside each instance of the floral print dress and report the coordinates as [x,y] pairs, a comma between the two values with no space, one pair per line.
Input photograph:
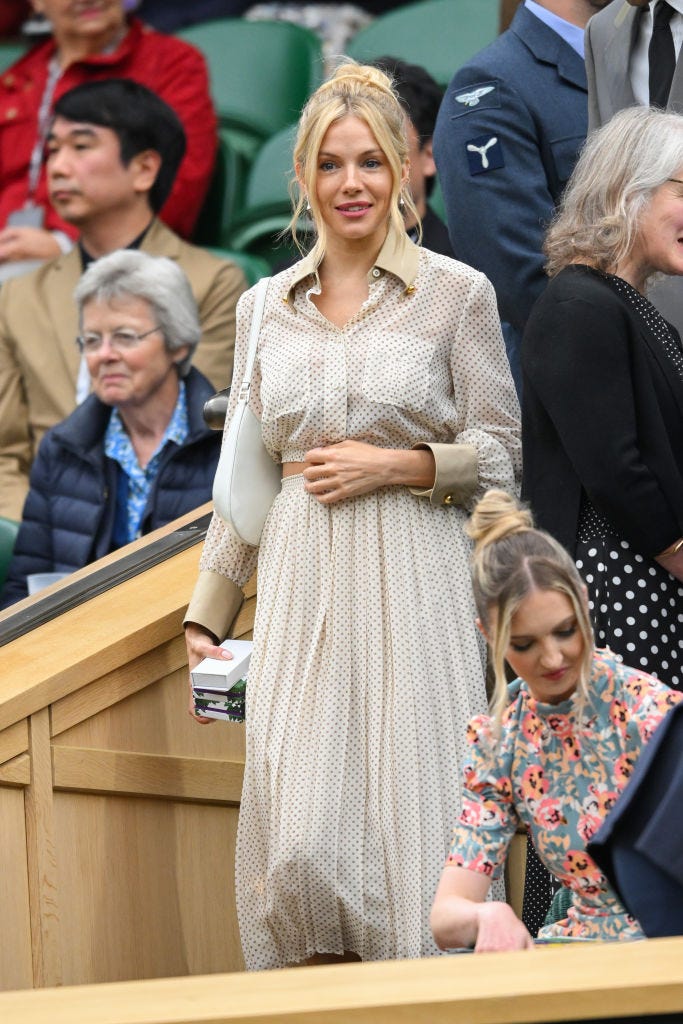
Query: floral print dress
[557,770]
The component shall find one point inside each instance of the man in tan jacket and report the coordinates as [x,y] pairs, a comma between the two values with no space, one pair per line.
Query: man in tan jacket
[112,153]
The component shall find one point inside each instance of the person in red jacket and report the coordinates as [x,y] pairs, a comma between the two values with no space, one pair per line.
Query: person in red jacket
[93,39]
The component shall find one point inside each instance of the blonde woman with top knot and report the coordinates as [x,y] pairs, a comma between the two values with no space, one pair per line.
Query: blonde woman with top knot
[383,389]
[558,747]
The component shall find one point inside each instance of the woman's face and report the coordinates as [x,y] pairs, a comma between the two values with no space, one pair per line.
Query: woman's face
[83,19]
[353,183]
[134,375]
[546,645]
[659,242]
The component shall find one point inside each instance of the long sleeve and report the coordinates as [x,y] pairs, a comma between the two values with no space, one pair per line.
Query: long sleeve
[586,372]
[486,451]
[496,217]
[16,450]
[33,546]
[226,563]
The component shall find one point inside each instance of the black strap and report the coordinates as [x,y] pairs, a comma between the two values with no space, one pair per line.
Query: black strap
[661,55]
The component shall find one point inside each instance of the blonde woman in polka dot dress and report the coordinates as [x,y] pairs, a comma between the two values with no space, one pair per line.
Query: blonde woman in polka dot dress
[603,388]
[382,387]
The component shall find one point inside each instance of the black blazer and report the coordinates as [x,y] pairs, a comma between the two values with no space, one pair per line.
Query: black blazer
[602,412]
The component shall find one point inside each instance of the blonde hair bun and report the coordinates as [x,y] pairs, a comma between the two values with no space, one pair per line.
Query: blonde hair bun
[497,515]
[359,77]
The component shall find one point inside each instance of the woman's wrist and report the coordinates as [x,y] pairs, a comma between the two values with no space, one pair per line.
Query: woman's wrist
[412,467]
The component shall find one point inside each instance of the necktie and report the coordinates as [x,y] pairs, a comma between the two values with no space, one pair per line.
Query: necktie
[661,55]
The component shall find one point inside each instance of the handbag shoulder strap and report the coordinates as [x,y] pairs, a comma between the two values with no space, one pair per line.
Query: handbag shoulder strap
[257,317]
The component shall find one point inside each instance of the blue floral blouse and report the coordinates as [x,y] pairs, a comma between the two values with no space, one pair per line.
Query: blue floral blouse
[558,776]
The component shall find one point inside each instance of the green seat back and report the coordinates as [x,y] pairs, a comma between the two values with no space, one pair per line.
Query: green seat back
[10,53]
[266,190]
[8,534]
[253,266]
[267,207]
[262,73]
[225,195]
[438,34]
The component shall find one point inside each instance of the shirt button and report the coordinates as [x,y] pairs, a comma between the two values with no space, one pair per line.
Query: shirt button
[448,499]
[376,272]
[11,113]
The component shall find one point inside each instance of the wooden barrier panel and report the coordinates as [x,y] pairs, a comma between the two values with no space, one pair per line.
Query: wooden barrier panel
[117,812]
[591,981]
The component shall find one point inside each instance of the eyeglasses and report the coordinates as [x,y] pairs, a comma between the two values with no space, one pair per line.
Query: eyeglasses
[121,339]
[677,180]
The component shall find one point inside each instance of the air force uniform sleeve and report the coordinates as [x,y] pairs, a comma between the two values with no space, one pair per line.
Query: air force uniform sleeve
[506,140]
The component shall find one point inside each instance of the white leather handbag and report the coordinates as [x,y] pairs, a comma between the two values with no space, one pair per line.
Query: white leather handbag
[247,479]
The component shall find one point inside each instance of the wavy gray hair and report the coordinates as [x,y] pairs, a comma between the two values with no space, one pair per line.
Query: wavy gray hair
[157,280]
[620,167]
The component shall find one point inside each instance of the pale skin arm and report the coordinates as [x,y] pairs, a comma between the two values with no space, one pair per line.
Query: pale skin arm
[24,243]
[349,468]
[461,917]
[201,644]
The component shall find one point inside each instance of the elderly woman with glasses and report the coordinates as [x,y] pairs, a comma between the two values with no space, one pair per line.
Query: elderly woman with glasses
[137,453]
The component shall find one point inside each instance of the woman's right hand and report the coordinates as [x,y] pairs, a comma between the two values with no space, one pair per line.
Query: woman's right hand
[500,929]
[461,915]
[201,644]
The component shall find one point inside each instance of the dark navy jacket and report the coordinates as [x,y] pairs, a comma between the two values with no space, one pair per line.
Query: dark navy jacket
[526,91]
[68,517]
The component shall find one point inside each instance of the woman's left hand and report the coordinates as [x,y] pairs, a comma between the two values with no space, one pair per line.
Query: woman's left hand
[349,468]
[344,470]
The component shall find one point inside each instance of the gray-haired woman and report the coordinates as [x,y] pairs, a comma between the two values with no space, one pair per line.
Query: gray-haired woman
[603,388]
[137,453]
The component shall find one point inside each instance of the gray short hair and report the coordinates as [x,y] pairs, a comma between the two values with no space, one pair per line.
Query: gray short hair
[620,167]
[158,280]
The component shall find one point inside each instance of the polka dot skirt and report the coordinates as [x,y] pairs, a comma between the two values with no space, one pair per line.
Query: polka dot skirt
[636,606]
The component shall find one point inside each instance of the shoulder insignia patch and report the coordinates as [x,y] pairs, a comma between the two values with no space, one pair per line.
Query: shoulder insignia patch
[473,98]
[484,153]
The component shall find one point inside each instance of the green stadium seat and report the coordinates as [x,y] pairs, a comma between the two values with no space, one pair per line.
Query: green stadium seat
[266,209]
[262,73]
[8,533]
[9,53]
[438,34]
[225,195]
[253,266]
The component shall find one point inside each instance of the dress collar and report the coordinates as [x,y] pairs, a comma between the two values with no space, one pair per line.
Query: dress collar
[398,256]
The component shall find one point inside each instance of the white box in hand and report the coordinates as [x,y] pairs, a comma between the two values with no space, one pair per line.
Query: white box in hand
[219,686]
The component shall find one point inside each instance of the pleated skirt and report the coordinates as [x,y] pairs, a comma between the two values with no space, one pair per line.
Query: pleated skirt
[367,667]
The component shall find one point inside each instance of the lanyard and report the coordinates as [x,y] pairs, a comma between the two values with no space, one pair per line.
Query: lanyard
[44,119]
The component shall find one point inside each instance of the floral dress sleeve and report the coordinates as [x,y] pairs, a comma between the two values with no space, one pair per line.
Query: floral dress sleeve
[488,819]
[636,710]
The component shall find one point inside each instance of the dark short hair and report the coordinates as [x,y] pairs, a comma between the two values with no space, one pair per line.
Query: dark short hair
[419,94]
[140,120]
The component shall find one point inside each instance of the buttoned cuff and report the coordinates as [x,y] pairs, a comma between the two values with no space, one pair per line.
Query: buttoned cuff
[457,473]
[215,602]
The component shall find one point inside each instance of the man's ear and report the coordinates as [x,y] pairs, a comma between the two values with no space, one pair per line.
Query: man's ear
[145,166]
[427,160]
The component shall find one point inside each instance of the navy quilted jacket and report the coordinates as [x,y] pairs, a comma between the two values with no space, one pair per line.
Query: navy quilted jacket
[68,516]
